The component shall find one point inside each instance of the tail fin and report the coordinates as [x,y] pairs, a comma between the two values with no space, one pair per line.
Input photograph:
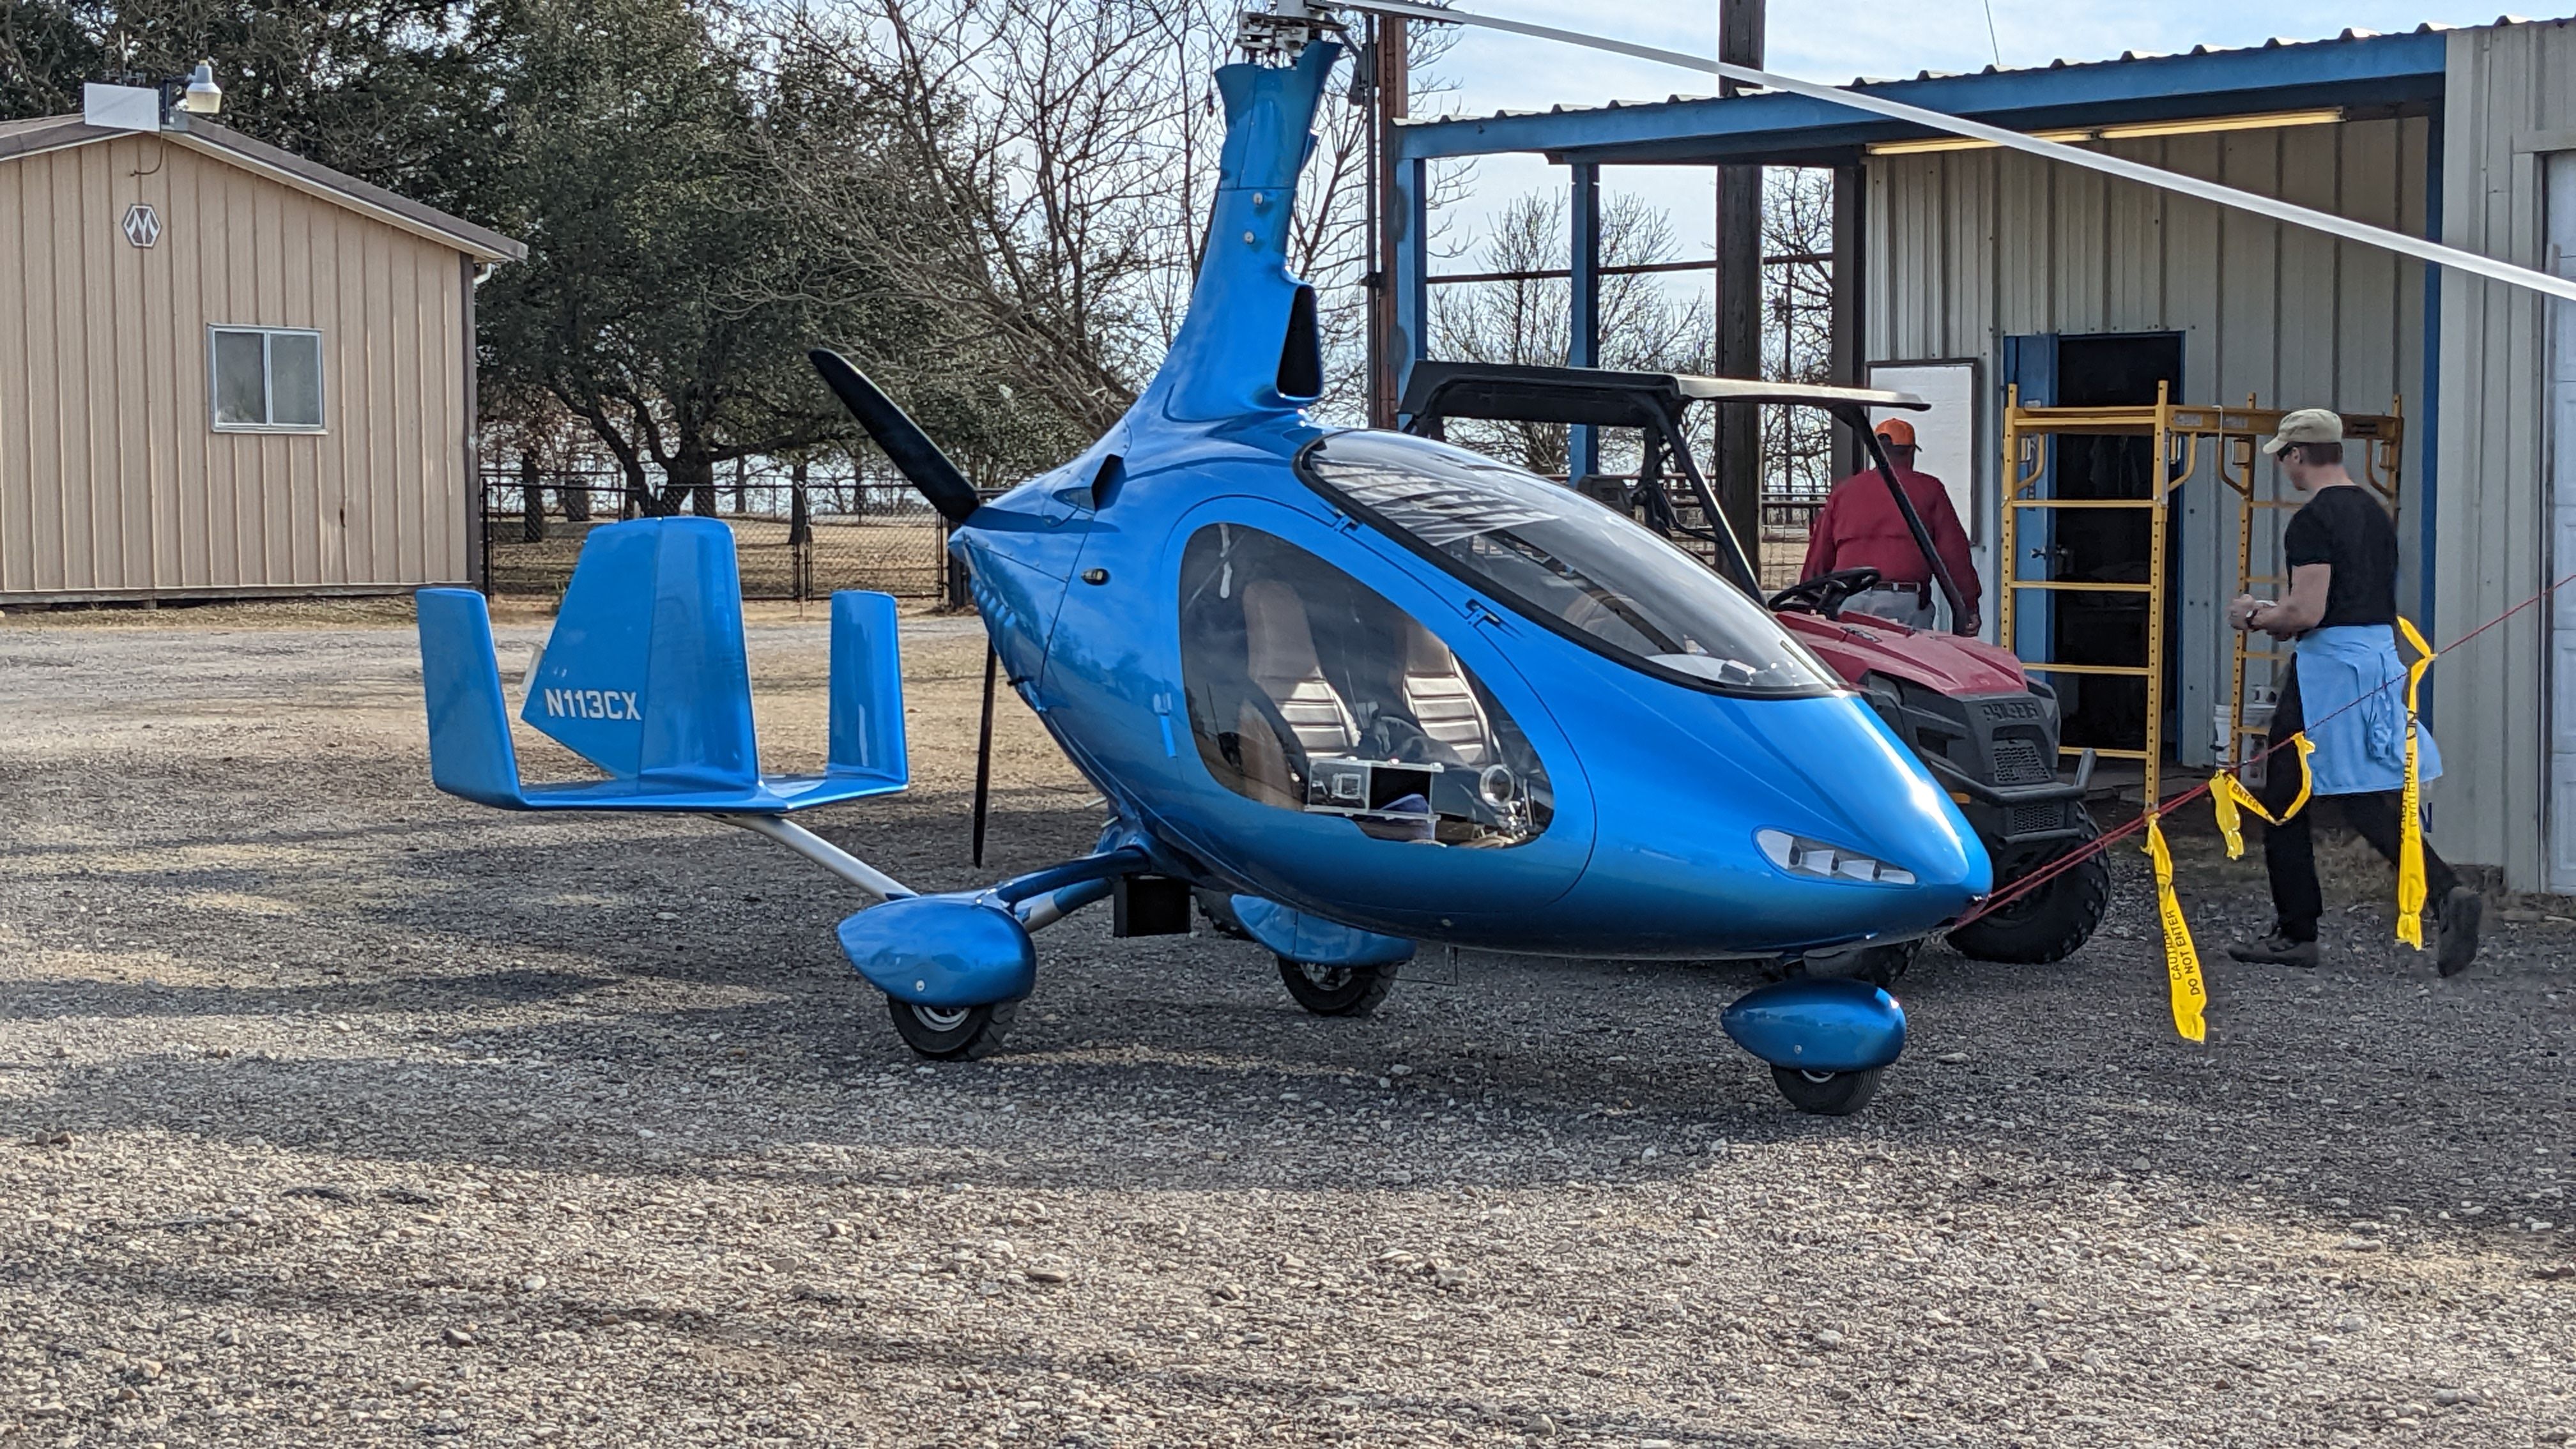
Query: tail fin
[910,449]
[469,723]
[645,675]
[867,690]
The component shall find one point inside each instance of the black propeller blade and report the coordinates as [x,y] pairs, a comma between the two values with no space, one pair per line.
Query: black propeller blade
[984,754]
[918,458]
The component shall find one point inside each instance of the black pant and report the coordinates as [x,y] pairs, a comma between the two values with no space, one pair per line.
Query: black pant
[2290,851]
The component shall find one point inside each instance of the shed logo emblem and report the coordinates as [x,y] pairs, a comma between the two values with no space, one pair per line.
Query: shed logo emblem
[592,704]
[142,225]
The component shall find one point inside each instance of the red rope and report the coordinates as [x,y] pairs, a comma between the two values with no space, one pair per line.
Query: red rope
[2073,858]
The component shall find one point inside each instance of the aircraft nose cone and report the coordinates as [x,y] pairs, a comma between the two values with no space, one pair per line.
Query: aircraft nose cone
[1874,797]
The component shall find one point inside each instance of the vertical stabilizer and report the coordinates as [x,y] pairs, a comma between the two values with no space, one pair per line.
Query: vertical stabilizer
[867,690]
[469,722]
[644,675]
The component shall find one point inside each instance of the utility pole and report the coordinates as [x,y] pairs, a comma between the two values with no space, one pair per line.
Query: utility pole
[1738,474]
[1390,87]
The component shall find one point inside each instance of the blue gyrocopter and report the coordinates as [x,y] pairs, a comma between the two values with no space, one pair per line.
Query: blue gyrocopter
[1366,689]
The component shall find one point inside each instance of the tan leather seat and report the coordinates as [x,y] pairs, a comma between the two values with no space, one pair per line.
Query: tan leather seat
[1279,653]
[1438,696]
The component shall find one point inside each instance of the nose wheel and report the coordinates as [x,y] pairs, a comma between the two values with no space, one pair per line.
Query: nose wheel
[1827,1094]
[952,1033]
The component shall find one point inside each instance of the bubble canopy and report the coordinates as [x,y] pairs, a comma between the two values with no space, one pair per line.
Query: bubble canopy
[1565,562]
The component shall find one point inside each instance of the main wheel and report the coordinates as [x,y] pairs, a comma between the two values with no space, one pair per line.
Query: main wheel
[2049,924]
[1337,990]
[1827,1094]
[1218,907]
[952,1033]
[1877,965]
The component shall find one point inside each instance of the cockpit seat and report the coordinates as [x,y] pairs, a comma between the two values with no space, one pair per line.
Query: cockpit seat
[1438,696]
[1279,653]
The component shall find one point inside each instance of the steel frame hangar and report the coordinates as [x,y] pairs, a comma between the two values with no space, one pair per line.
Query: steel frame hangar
[2220,100]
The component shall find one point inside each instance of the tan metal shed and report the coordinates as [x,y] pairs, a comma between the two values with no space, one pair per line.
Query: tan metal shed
[149,270]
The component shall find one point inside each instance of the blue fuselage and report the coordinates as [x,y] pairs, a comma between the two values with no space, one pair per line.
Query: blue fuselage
[1632,802]
[1659,788]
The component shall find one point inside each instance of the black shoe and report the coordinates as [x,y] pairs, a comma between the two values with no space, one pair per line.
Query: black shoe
[2277,949]
[2463,911]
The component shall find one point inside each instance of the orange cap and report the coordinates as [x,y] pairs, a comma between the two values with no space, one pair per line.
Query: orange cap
[1897,432]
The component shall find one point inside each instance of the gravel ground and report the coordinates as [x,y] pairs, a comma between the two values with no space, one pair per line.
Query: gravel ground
[333,1111]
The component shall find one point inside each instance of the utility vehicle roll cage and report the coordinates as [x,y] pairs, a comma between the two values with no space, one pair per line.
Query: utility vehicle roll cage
[1654,403]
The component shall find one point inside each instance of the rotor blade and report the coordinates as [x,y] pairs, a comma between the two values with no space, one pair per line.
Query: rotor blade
[911,450]
[2127,170]
[984,753]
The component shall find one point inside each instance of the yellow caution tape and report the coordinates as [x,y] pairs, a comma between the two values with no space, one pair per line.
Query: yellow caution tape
[2227,793]
[2410,805]
[2182,961]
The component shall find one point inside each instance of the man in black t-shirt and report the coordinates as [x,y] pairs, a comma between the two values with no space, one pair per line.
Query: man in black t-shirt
[2341,552]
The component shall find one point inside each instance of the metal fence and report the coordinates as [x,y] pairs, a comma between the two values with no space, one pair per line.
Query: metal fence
[851,533]
[794,539]
[1787,520]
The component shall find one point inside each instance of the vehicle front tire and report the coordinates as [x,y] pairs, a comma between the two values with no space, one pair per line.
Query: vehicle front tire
[2045,926]
[1827,1094]
[952,1034]
[1336,990]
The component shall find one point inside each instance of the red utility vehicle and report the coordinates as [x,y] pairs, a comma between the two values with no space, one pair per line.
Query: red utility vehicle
[1985,729]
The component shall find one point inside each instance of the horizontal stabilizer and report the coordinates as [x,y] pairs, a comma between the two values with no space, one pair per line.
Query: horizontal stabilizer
[905,444]
[645,677]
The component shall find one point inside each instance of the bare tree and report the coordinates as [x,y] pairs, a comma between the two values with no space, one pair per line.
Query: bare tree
[1069,149]
[1797,326]
[1051,143]
[1645,324]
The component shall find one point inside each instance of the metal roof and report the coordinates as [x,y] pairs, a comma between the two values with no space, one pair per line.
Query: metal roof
[54,133]
[2355,68]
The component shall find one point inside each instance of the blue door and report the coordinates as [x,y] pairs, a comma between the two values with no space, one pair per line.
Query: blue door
[2030,363]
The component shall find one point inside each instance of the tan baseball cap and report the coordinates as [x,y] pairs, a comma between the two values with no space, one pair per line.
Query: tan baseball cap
[2307,425]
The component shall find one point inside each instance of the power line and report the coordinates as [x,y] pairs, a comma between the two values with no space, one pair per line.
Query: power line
[1990,35]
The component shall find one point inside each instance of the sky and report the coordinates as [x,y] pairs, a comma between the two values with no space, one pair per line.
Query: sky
[1835,40]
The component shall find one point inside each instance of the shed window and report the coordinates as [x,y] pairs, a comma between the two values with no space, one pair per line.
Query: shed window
[267,378]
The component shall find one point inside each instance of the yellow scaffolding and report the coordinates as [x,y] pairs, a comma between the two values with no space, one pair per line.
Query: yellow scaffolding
[2178,432]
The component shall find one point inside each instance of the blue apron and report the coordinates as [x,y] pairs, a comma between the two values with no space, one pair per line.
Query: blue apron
[2360,749]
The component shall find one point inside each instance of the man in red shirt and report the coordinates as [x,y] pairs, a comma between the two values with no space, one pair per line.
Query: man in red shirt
[1860,527]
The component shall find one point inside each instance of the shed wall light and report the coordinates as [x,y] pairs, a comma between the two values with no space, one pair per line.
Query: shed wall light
[2205,125]
[1930,144]
[2125,131]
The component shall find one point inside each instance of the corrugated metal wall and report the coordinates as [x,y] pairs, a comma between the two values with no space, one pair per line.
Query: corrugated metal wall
[2511,101]
[1966,247]
[113,481]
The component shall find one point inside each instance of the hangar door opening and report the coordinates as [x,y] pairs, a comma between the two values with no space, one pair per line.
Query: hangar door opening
[2559,186]
[2098,545]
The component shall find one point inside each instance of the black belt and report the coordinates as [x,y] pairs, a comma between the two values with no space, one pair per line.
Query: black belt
[1922,590]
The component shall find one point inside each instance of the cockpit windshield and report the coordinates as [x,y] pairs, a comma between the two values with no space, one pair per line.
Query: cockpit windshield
[1565,561]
